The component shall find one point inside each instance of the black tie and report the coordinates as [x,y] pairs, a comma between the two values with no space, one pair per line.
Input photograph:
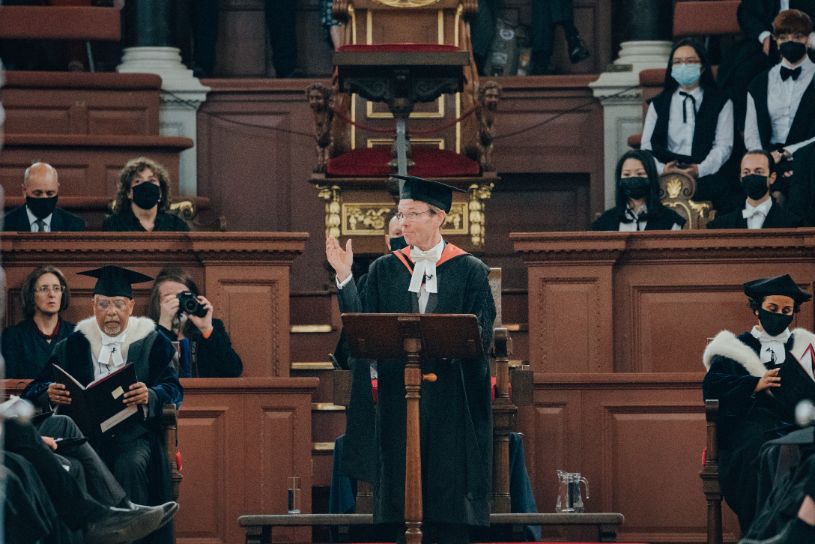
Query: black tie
[786,73]
[40,225]
[685,103]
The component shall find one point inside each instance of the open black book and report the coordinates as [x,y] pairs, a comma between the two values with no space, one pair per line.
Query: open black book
[796,384]
[99,407]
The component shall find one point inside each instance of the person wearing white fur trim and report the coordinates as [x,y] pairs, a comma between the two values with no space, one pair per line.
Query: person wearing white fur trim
[758,377]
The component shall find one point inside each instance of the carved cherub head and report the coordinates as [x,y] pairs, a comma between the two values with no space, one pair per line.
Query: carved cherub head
[318,96]
[489,93]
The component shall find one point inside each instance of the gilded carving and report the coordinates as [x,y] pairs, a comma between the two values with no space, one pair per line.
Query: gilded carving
[476,207]
[408,4]
[364,219]
[333,206]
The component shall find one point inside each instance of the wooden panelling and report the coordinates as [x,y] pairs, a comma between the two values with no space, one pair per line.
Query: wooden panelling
[637,438]
[246,276]
[649,302]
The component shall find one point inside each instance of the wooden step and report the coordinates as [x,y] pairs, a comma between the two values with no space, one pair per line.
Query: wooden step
[81,103]
[60,23]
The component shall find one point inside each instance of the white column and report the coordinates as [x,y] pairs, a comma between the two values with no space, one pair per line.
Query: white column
[618,89]
[181,96]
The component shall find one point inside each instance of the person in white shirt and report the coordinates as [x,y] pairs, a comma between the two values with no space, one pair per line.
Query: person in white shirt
[638,206]
[689,127]
[780,114]
[759,211]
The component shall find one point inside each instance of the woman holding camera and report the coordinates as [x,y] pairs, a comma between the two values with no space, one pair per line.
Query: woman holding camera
[689,127]
[183,315]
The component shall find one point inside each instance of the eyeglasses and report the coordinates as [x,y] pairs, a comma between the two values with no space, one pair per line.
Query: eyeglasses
[411,216]
[104,303]
[46,288]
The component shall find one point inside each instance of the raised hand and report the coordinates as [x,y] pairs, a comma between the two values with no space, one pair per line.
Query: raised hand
[339,259]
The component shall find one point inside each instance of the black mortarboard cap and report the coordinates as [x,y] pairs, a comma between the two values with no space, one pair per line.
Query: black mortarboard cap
[778,285]
[115,281]
[437,194]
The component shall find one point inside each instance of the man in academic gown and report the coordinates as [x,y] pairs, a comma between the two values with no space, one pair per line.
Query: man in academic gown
[760,211]
[100,345]
[801,199]
[758,377]
[429,276]
[40,212]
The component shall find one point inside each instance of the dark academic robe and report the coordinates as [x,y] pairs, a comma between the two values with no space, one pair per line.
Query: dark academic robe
[211,357]
[803,124]
[61,221]
[748,420]
[777,218]
[456,413]
[26,351]
[664,220]
[152,354]
[126,221]
[801,200]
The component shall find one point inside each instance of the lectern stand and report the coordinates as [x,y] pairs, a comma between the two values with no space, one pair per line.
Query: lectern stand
[413,337]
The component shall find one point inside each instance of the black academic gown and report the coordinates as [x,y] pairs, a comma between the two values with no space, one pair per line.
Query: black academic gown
[26,351]
[456,413]
[152,354]
[126,221]
[801,200]
[748,420]
[211,357]
[777,218]
[61,221]
[665,219]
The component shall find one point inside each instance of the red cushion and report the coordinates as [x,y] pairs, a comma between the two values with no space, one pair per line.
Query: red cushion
[399,48]
[430,162]
[178,459]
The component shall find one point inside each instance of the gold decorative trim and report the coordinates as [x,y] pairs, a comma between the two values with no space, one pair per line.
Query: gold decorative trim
[312,365]
[371,142]
[438,114]
[333,205]
[477,211]
[457,221]
[369,27]
[439,26]
[324,447]
[456,23]
[326,407]
[364,218]
[310,329]
[352,14]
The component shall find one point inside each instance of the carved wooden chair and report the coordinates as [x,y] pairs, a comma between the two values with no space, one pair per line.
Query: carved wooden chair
[676,192]
[710,475]
[449,118]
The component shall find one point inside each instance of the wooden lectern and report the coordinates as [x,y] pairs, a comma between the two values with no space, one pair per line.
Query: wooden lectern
[413,337]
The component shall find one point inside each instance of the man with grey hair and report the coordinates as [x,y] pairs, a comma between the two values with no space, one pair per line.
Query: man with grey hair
[40,212]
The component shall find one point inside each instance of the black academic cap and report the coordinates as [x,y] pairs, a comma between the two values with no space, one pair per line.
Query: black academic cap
[778,285]
[114,281]
[434,193]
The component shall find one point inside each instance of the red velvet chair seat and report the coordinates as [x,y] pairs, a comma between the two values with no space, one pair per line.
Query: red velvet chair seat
[430,162]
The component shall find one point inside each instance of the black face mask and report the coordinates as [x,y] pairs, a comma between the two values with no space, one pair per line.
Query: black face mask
[41,207]
[773,323]
[635,188]
[397,243]
[755,185]
[792,51]
[146,195]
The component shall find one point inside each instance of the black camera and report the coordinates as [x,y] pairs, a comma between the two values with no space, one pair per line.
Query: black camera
[188,304]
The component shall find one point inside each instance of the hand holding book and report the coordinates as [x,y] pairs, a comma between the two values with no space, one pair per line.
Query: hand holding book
[58,394]
[138,394]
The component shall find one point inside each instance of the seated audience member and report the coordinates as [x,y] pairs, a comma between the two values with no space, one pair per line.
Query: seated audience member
[781,101]
[689,126]
[546,16]
[205,347]
[638,206]
[760,211]
[40,212]
[28,344]
[100,345]
[801,199]
[745,374]
[60,503]
[143,200]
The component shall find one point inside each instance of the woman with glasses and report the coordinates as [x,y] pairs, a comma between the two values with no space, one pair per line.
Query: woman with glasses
[689,127]
[28,344]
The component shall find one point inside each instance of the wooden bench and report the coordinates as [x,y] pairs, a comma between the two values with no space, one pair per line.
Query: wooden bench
[259,527]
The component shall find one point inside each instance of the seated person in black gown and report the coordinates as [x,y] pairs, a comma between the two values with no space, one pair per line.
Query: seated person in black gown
[689,127]
[757,377]
[637,199]
[760,210]
[801,199]
[781,101]
[28,344]
[58,503]
[40,212]
[205,348]
[143,200]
